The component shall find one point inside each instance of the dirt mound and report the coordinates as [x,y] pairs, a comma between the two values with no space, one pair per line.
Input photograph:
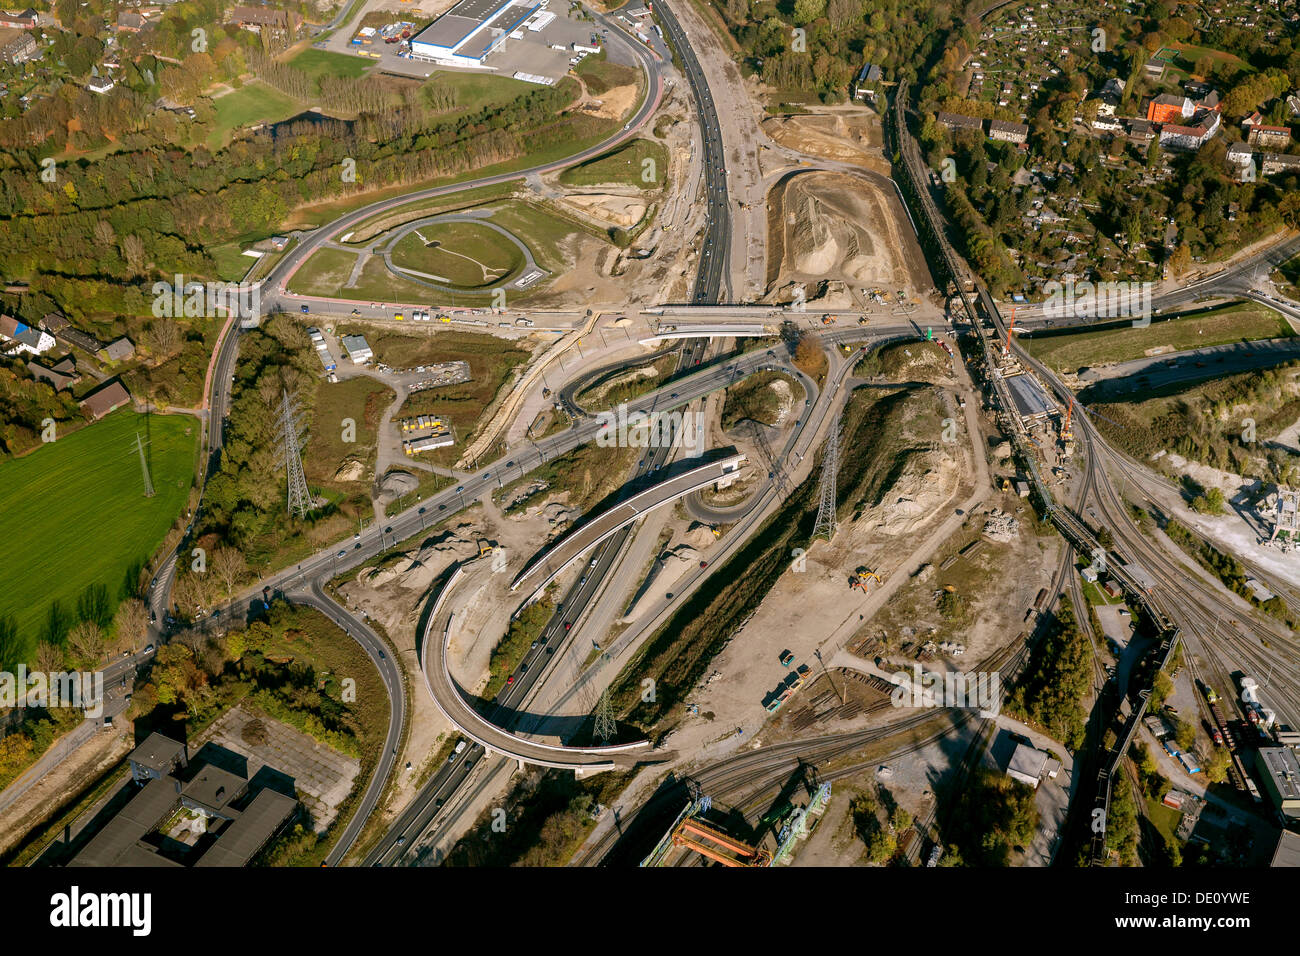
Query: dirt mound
[836,226]
[843,137]
[615,210]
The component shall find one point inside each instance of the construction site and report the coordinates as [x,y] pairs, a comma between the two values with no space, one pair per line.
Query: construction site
[694,840]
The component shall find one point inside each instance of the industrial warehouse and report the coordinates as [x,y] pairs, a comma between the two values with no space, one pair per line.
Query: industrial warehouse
[469,31]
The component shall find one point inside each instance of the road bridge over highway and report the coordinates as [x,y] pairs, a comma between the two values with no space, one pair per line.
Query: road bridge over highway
[547,566]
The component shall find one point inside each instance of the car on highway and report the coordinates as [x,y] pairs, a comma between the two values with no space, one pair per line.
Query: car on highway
[342,554]
[510,464]
[306,309]
[510,679]
[704,564]
[421,511]
[460,487]
[148,648]
[442,507]
[568,624]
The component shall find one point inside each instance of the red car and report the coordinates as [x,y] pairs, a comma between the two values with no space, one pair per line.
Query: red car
[510,679]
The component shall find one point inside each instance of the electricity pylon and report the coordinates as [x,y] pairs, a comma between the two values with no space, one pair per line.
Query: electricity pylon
[825,524]
[299,499]
[606,728]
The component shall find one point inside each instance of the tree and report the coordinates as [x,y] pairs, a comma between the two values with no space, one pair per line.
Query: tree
[130,623]
[49,658]
[88,643]
[229,566]
[164,338]
[806,11]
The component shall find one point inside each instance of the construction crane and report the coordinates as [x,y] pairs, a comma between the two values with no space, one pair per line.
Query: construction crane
[1065,430]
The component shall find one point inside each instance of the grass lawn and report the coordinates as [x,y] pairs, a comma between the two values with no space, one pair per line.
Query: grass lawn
[323,273]
[640,163]
[1232,323]
[363,400]
[474,91]
[318,63]
[543,230]
[255,102]
[467,255]
[73,512]
[601,75]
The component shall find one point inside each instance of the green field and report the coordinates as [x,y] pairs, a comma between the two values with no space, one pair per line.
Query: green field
[255,102]
[625,166]
[467,255]
[1232,323]
[318,63]
[73,513]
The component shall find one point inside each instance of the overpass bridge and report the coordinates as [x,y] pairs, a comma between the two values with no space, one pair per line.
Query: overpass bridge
[707,330]
[547,566]
[457,708]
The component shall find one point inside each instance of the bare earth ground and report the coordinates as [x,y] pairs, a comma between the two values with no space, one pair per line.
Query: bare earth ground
[836,228]
[63,782]
[843,135]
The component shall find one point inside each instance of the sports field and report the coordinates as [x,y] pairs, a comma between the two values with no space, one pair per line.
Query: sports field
[1233,323]
[73,512]
[464,255]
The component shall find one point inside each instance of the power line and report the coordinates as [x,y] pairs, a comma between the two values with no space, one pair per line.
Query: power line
[606,727]
[144,467]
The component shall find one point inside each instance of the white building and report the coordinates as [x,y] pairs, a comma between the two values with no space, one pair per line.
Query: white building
[469,31]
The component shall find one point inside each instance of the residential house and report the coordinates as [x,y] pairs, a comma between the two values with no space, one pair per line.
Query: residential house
[956,121]
[20,337]
[1274,163]
[106,399]
[868,82]
[27,19]
[1143,131]
[1174,136]
[1168,108]
[18,48]
[118,350]
[1008,132]
[1269,137]
[1112,94]
[62,374]
[257,19]
[100,84]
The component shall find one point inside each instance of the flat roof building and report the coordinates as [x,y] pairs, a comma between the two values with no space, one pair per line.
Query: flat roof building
[472,29]
[1280,771]
[1029,398]
[1027,765]
[357,348]
[232,828]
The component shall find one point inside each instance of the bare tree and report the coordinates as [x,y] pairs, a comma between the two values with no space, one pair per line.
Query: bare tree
[88,642]
[228,564]
[164,337]
[49,657]
[130,622]
[104,233]
[133,253]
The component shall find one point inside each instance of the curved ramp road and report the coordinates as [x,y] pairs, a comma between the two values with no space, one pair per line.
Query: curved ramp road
[551,564]
[456,707]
